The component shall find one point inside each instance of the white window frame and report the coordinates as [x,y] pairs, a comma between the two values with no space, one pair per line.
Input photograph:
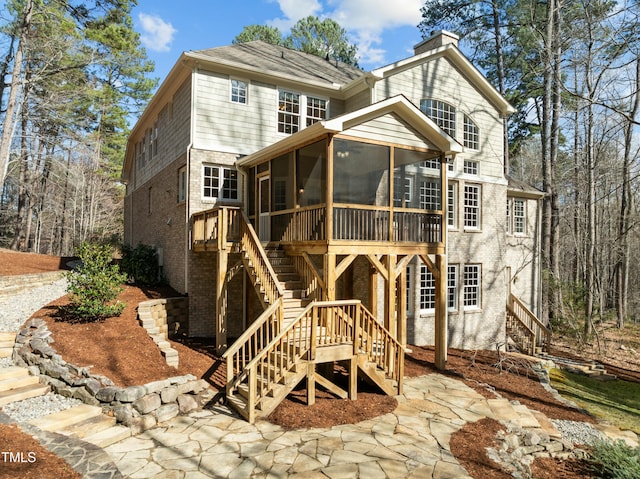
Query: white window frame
[519,217]
[222,175]
[442,113]
[471,135]
[236,94]
[430,190]
[303,114]
[472,209]
[426,290]
[472,287]
[452,205]
[471,167]
[452,287]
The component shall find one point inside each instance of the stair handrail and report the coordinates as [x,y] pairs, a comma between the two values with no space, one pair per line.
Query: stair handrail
[251,341]
[528,347]
[524,316]
[250,243]
[370,334]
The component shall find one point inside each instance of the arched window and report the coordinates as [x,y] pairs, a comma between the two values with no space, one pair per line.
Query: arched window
[443,114]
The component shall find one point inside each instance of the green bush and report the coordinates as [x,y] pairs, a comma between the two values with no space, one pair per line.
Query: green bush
[95,284]
[140,263]
[615,460]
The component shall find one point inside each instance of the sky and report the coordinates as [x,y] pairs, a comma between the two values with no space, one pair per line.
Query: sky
[384,31]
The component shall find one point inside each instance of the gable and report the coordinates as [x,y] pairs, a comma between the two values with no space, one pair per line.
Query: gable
[390,127]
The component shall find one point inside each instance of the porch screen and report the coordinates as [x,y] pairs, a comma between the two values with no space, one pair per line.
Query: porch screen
[360,173]
[311,174]
[416,180]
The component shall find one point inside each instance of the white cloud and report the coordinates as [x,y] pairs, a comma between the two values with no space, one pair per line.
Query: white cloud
[157,34]
[368,19]
[294,10]
[365,20]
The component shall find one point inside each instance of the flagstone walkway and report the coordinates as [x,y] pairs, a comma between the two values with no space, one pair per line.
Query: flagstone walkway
[411,442]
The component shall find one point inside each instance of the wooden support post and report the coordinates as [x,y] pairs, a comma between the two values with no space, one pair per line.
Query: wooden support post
[441,312]
[390,297]
[221,302]
[402,307]
[330,276]
[311,383]
[353,378]
[373,291]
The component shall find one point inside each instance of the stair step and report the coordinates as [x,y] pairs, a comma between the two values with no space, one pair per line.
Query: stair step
[109,436]
[16,382]
[7,344]
[25,392]
[92,425]
[13,372]
[63,419]
[6,352]
[7,337]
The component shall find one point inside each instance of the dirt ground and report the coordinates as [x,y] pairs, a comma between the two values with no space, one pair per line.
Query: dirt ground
[117,347]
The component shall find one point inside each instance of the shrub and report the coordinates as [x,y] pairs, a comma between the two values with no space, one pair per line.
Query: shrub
[95,284]
[140,263]
[615,460]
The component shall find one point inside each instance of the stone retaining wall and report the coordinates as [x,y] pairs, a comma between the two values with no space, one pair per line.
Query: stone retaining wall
[165,318]
[12,284]
[138,407]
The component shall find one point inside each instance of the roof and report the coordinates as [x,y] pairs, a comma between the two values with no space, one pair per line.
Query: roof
[517,187]
[398,105]
[263,57]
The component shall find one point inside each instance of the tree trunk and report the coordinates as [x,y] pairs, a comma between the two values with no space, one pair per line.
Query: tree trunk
[12,102]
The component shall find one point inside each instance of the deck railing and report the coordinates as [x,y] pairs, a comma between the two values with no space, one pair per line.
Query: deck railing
[533,332]
[308,224]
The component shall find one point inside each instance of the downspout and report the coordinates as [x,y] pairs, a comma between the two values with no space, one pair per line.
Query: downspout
[194,77]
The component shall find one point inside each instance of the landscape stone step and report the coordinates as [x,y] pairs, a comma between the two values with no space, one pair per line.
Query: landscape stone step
[64,419]
[90,426]
[13,372]
[7,337]
[503,410]
[16,382]
[108,436]
[6,352]
[25,392]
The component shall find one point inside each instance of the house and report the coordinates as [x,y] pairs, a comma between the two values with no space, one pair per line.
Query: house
[288,193]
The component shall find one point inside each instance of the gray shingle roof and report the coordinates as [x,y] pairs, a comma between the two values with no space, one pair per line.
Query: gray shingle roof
[279,60]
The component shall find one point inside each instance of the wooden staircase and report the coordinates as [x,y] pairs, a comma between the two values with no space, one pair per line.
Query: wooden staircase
[528,334]
[323,333]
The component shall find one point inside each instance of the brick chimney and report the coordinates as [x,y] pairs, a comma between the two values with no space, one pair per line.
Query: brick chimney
[437,39]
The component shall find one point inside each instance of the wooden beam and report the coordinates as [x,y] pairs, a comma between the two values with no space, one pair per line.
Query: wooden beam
[402,265]
[431,265]
[331,387]
[344,264]
[441,313]
[373,291]
[373,259]
[353,378]
[311,383]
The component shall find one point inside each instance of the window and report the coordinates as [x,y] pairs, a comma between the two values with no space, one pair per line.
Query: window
[433,163]
[316,110]
[219,182]
[238,91]
[471,167]
[509,230]
[443,114]
[452,205]
[452,287]
[471,137]
[182,184]
[472,206]
[430,195]
[472,286]
[519,217]
[427,290]
[290,114]
[402,188]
